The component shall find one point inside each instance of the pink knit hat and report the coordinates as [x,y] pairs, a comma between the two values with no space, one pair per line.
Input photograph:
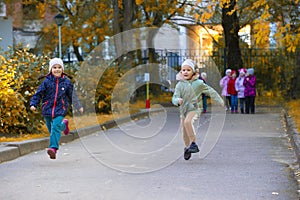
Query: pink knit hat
[242,71]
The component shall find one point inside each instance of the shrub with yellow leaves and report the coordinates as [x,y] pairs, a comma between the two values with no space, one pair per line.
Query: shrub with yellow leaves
[18,73]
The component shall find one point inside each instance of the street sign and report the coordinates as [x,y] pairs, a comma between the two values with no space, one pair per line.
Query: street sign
[147,77]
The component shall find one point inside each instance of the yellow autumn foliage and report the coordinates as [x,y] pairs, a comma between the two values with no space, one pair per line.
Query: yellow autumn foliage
[205,16]
[12,107]
[18,74]
[139,2]
[294,111]
[286,32]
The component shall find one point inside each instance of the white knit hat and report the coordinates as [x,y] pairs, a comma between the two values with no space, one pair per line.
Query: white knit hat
[55,61]
[189,62]
[228,71]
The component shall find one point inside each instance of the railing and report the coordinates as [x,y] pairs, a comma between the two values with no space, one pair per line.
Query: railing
[276,69]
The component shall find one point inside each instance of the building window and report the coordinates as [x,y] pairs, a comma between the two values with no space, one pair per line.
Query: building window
[2,9]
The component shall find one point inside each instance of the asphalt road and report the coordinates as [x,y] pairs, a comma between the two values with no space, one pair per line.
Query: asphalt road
[245,158]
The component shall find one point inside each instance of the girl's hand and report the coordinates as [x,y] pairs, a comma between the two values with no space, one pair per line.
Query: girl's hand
[81,110]
[223,105]
[180,101]
[195,76]
[32,108]
[179,76]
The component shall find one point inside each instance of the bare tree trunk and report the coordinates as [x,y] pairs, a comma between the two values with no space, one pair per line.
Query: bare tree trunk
[230,23]
[128,14]
[295,83]
[128,17]
[122,21]
[117,29]
[116,17]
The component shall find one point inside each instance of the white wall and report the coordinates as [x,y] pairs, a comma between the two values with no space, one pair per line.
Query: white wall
[6,33]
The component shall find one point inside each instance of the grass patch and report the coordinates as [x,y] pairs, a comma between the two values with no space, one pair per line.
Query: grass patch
[294,111]
[85,121]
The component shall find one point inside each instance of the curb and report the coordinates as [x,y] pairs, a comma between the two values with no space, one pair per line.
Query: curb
[13,150]
[293,136]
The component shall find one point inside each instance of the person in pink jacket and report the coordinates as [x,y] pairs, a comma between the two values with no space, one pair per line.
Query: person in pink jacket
[240,88]
[223,84]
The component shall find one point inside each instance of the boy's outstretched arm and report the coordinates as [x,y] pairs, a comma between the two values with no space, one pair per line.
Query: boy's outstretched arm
[213,94]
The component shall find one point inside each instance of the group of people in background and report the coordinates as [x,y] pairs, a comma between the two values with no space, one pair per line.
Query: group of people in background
[239,89]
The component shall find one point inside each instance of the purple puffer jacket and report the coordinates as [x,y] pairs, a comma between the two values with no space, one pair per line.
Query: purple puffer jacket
[239,86]
[250,83]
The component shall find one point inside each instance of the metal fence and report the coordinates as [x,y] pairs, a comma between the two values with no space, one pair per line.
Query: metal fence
[276,69]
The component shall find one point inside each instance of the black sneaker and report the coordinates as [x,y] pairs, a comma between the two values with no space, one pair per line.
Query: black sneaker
[193,148]
[187,155]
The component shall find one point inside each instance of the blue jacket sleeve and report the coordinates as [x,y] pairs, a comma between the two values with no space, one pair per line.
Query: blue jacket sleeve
[36,98]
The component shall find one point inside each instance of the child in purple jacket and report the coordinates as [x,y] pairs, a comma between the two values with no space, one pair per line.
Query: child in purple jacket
[250,91]
[240,88]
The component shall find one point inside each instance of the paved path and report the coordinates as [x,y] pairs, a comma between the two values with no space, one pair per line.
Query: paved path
[143,161]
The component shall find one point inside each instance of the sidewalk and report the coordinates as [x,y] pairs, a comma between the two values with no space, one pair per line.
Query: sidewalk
[13,150]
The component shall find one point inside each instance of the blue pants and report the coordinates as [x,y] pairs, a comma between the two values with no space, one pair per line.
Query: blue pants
[234,103]
[55,126]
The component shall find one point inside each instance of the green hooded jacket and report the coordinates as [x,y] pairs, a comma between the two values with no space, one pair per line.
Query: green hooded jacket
[190,91]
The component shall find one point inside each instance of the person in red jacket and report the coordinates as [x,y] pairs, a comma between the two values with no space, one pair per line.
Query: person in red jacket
[232,92]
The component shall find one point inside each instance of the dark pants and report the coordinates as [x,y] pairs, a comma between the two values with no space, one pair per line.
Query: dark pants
[250,105]
[242,104]
[228,101]
[204,99]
